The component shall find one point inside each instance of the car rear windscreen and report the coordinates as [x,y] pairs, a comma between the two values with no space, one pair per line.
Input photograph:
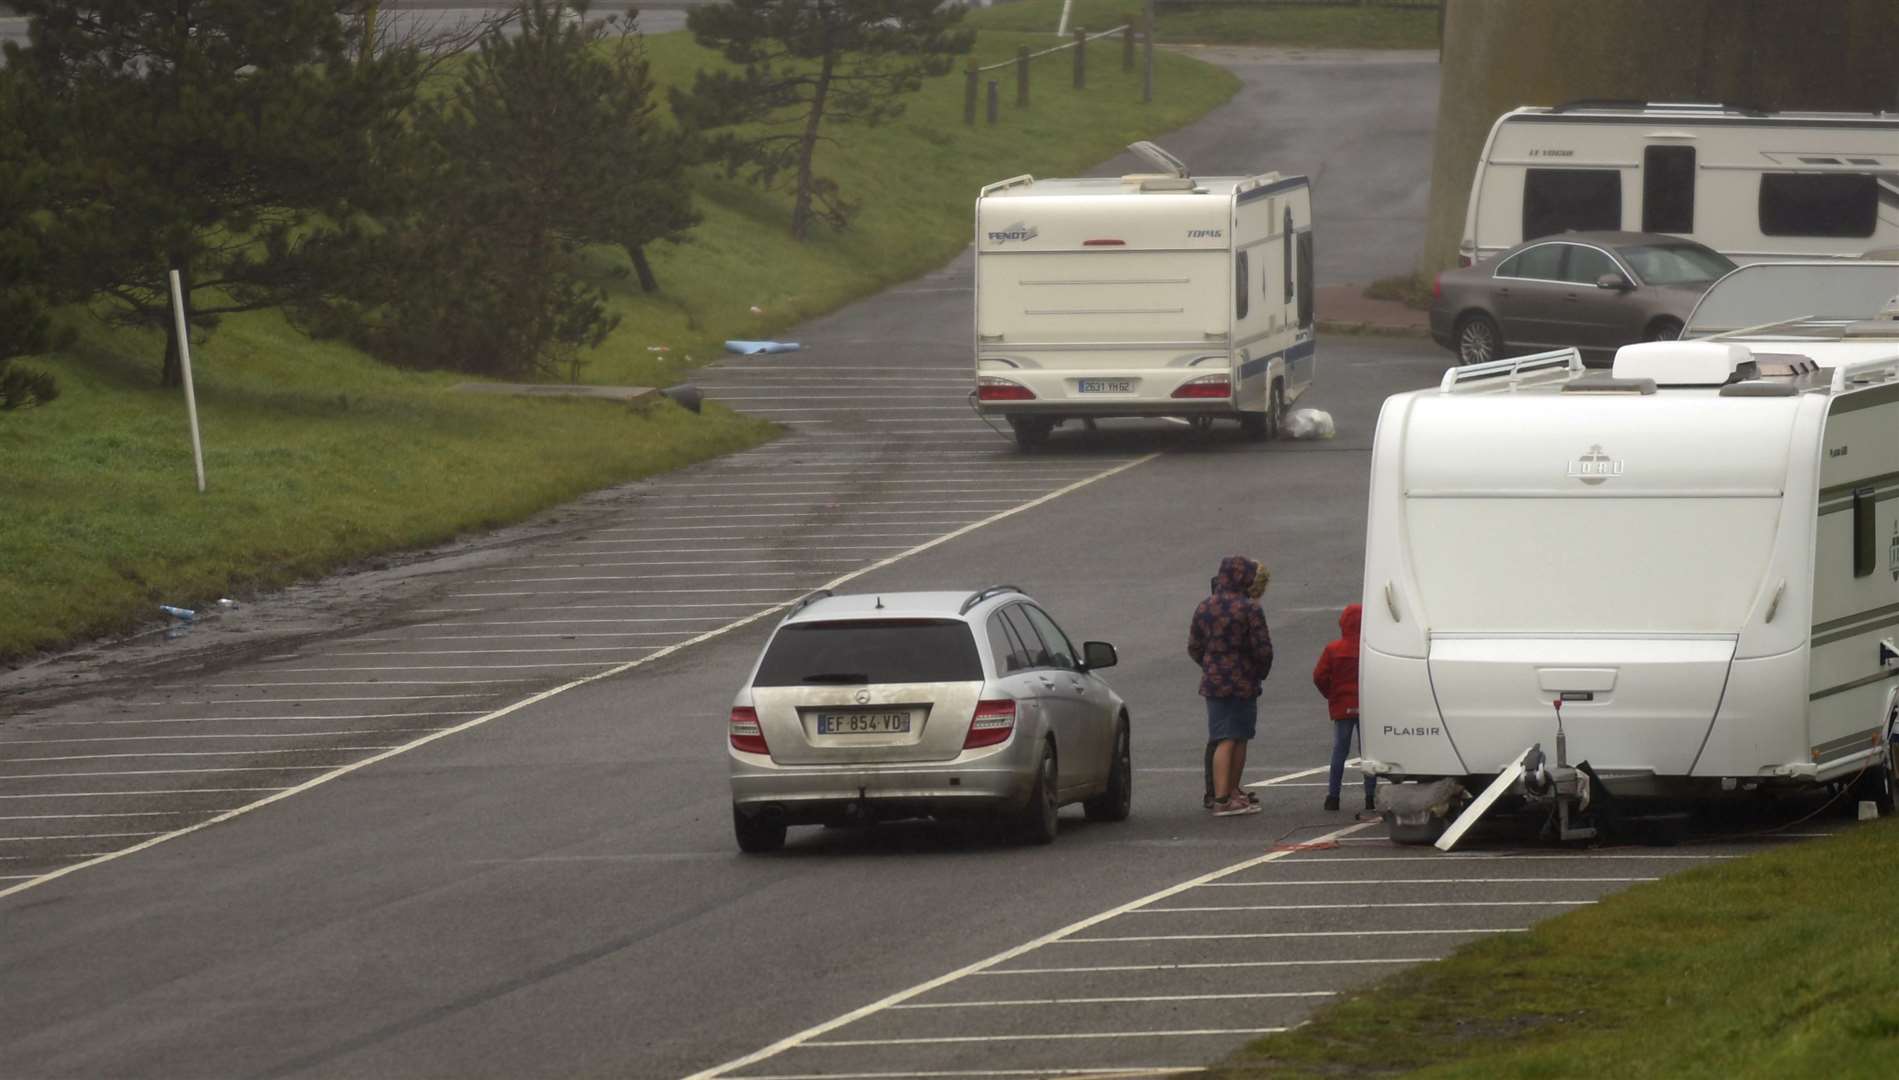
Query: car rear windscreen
[871,651]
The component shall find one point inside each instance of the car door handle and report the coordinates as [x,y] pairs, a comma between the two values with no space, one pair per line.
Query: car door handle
[1503,292]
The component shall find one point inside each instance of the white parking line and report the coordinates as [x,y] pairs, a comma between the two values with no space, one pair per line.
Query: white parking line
[130,813]
[290,716]
[221,735]
[554,622]
[643,577]
[693,562]
[849,504]
[1051,1036]
[352,682]
[489,652]
[192,753]
[1433,881]
[76,836]
[165,772]
[1280,934]
[301,700]
[1143,1000]
[451,667]
[128,794]
[1367,907]
[333,772]
[576,635]
[1505,856]
[809,1034]
[977,1074]
[1209,965]
[668,606]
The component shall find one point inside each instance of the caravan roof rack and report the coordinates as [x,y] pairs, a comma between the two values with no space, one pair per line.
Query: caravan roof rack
[980,595]
[1513,373]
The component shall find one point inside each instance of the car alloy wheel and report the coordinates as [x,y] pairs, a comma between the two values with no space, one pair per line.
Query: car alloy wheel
[1039,817]
[1117,799]
[1477,340]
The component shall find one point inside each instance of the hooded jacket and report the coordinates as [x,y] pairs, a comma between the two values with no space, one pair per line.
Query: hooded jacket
[1228,637]
[1336,675]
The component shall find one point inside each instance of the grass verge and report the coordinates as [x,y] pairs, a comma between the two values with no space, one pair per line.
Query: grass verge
[1782,964]
[318,456]
[1411,290]
[1328,27]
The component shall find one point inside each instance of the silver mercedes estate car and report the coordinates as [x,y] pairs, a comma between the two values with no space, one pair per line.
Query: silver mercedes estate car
[926,704]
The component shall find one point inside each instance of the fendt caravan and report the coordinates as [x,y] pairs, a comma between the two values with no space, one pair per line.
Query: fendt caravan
[1148,295]
[1752,185]
[1690,563]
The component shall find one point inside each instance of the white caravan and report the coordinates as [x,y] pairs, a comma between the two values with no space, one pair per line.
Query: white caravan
[1696,554]
[1147,295]
[1752,185]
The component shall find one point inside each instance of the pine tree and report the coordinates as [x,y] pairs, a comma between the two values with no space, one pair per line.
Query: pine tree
[806,66]
[211,137]
[25,292]
[547,143]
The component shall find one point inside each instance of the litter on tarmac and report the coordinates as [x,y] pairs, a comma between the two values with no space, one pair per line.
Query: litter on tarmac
[751,348]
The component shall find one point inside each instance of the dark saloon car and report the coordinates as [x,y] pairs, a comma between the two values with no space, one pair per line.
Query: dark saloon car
[1597,291]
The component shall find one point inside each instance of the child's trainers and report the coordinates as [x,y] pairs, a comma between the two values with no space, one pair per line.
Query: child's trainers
[1234,806]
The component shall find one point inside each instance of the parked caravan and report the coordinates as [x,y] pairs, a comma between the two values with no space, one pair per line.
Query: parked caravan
[1688,565]
[1157,294]
[1752,185]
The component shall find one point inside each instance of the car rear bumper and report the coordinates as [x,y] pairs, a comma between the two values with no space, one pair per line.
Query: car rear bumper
[820,793]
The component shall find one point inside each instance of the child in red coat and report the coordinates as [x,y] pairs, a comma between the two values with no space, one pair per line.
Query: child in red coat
[1336,676]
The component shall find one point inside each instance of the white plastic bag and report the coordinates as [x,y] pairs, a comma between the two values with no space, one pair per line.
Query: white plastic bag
[1310,424]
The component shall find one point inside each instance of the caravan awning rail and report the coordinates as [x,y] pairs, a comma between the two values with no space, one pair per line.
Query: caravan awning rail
[1514,373]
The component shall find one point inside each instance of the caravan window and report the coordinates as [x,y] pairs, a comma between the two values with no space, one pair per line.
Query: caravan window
[1240,295]
[1305,280]
[1286,248]
[1865,539]
[1819,204]
[1668,189]
[1556,200]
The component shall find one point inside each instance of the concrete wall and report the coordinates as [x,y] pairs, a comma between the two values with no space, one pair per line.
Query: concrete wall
[1775,54]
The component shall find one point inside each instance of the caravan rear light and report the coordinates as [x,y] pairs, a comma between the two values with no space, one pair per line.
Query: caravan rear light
[1206,386]
[1437,286]
[993,723]
[990,388]
[747,736]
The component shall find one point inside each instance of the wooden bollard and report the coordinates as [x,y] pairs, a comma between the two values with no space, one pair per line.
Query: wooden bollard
[1127,42]
[1081,58]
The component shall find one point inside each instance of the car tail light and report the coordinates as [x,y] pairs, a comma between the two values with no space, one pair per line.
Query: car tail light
[993,723]
[1437,286]
[1206,386]
[990,388]
[747,736]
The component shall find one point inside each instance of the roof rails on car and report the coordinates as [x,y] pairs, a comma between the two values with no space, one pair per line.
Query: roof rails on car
[980,595]
[806,601]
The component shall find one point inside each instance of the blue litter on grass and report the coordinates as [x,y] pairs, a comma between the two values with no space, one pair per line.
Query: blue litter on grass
[749,348]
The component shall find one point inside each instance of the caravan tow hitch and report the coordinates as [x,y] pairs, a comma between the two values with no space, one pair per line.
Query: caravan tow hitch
[1566,789]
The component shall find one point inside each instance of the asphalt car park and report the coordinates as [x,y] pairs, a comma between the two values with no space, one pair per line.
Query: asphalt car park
[528,868]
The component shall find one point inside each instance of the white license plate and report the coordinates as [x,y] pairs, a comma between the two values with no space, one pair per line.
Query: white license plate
[1104,386]
[863,723]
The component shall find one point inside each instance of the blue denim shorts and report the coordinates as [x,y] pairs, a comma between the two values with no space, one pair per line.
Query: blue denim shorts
[1231,718]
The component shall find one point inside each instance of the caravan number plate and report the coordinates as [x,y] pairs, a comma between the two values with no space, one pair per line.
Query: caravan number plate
[863,723]
[1105,386]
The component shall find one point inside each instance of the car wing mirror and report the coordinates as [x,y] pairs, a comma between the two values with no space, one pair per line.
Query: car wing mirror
[1098,654]
[1614,281]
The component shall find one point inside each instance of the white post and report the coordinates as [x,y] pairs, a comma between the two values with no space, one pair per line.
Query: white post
[184,358]
[1061,30]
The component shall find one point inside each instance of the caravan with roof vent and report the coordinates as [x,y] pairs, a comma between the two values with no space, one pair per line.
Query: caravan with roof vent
[1752,185]
[1157,294]
[1693,556]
